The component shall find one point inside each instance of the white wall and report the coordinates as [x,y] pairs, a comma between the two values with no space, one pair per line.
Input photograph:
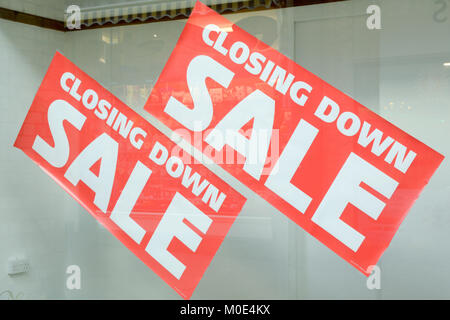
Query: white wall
[265,254]
[413,49]
[33,209]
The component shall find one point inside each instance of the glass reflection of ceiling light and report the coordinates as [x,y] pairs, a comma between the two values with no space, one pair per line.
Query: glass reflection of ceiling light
[102,60]
[447,64]
[107,38]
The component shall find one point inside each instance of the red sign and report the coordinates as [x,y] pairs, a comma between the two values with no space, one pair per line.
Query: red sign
[170,214]
[337,169]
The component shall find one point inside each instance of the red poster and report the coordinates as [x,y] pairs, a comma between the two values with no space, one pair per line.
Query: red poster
[171,214]
[337,169]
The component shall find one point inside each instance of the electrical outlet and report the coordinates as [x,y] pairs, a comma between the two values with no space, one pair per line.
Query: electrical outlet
[18,265]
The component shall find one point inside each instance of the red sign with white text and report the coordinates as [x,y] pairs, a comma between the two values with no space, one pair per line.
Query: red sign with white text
[337,169]
[171,215]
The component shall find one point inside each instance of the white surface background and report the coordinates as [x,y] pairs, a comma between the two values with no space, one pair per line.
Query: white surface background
[398,72]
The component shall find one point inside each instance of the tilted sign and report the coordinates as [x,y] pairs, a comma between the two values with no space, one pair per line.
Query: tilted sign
[334,167]
[172,215]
